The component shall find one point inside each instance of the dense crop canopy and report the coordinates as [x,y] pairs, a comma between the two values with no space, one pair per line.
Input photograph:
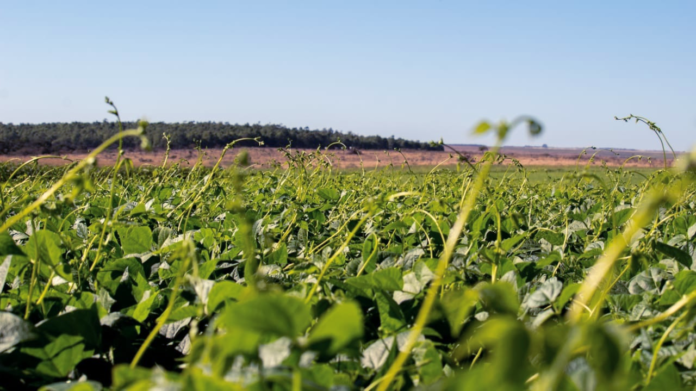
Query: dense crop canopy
[308,278]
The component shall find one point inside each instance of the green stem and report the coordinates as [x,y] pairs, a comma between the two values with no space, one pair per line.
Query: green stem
[658,346]
[431,295]
[333,257]
[165,315]
[66,178]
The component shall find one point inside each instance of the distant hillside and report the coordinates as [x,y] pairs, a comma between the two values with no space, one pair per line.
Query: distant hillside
[82,136]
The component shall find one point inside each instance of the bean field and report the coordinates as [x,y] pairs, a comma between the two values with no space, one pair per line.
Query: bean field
[306,277]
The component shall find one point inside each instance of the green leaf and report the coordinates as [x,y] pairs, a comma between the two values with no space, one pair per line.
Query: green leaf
[46,246]
[510,342]
[509,243]
[622,216]
[482,127]
[223,291]
[180,313]
[80,385]
[568,292]
[8,246]
[279,256]
[59,356]
[137,240]
[457,305]
[669,297]
[82,323]
[196,380]
[389,279]
[545,294]
[272,314]
[666,378]
[368,255]
[329,194]
[605,350]
[624,302]
[674,253]
[428,362]
[692,231]
[550,259]
[555,238]
[341,324]
[112,274]
[143,309]
[685,282]
[500,297]
[142,379]
[390,315]
[139,209]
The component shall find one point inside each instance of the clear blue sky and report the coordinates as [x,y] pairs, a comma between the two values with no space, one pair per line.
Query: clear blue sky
[415,69]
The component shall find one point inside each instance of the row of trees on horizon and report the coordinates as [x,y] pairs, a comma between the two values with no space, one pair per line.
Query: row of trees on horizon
[83,136]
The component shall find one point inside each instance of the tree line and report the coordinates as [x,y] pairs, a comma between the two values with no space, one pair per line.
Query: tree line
[83,136]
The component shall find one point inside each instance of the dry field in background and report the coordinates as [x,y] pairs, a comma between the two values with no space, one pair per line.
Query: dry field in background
[265,157]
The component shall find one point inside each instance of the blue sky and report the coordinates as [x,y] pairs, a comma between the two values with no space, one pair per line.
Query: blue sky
[413,69]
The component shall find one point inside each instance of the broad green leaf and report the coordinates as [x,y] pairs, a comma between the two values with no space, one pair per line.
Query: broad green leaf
[549,260]
[509,243]
[389,279]
[368,255]
[143,309]
[545,294]
[605,349]
[82,323]
[321,375]
[622,216]
[46,246]
[457,306]
[197,380]
[180,313]
[568,292]
[428,362]
[510,342]
[646,281]
[340,325]
[118,271]
[624,302]
[390,315]
[674,253]
[685,282]
[500,297]
[329,194]
[272,313]
[555,238]
[279,256]
[59,356]
[8,246]
[142,379]
[137,240]
[223,291]
[666,378]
